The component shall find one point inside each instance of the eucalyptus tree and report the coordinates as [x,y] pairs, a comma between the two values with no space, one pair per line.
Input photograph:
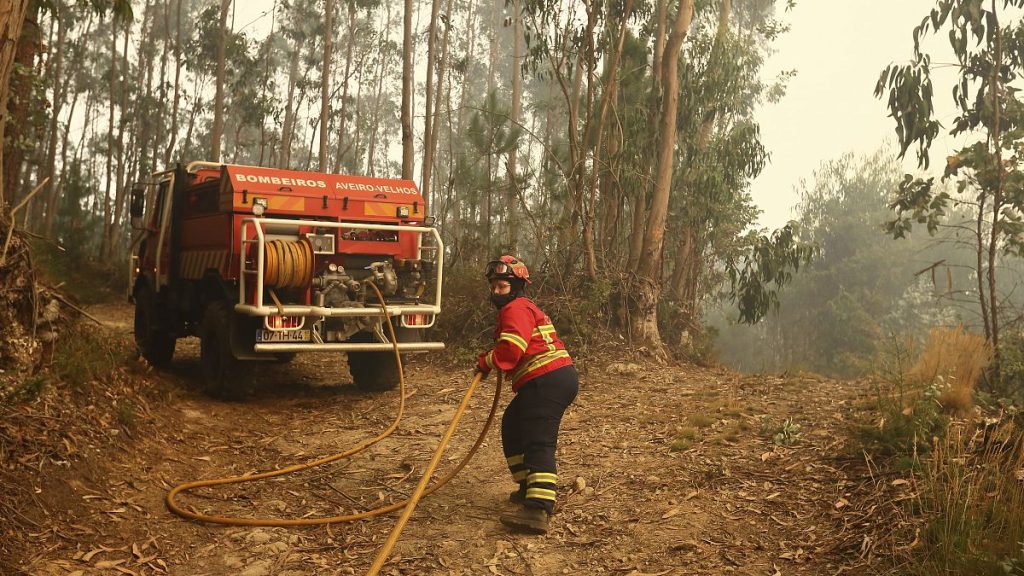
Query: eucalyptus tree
[325,83]
[720,153]
[218,100]
[12,19]
[988,171]
[19,104]
[407,88]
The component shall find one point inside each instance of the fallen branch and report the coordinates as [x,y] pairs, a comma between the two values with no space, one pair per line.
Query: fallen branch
[10,229]
[63,299]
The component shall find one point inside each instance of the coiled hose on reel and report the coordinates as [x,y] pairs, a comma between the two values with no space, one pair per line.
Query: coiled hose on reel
[287,264]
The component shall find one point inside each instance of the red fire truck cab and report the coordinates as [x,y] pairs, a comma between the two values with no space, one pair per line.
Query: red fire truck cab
[262,263]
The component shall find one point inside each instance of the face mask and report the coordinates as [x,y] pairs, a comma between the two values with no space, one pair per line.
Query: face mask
[500,300]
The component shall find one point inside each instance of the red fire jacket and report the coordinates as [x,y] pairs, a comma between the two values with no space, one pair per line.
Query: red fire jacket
[527,345]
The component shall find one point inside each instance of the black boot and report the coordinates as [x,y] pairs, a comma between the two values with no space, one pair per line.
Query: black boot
[529,520]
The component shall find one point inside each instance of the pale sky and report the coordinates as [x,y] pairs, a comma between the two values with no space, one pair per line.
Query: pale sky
[839,49]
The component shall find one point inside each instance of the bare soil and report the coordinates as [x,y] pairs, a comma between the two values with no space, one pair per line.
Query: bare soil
[663,471]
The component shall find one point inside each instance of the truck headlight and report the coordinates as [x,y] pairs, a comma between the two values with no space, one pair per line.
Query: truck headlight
[259,206]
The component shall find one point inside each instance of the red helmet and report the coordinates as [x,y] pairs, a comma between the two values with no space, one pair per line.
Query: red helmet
[507,268]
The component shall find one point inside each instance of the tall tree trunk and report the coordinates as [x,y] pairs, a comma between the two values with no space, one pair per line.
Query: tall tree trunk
[688,248]
[325,82]
[407,88]
[12,20]
[643,316]
[660,31]
[266,84]
[107,212]
[382,61]
[435,132]
[597,137]
[979,233]
[284,160]
[49,191]
[18,100]
[119,196]
[169,154]
[143,114]
[428,119]
[517,97]
[456,212]
[342,137]
[161,111]
[997,196]
[218,101]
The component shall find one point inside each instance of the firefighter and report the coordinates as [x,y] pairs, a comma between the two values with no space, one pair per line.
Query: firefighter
[545,382]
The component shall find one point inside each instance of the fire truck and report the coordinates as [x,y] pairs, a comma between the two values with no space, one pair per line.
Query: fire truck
[262,263]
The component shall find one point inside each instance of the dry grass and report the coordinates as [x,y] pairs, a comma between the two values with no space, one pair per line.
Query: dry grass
[685,439]
[701,420]
[972,500]
[955,359]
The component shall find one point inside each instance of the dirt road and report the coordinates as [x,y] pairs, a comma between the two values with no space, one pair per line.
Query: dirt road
[663,471]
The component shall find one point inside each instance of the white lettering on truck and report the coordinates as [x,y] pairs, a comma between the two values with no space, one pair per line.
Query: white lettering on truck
[281,181]
[376,188]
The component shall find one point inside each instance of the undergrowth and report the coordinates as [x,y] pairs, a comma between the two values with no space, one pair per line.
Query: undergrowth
[971,505]
[86,280]
[965,511]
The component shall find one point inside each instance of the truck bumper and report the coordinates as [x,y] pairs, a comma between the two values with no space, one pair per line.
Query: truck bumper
[348,347]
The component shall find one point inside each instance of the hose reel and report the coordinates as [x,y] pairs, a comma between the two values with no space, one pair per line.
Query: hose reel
[288,264]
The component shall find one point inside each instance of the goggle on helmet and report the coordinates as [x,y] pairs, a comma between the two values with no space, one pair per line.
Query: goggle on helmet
[507,268]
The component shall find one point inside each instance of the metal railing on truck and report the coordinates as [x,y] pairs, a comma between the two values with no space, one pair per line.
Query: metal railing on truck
[254,226]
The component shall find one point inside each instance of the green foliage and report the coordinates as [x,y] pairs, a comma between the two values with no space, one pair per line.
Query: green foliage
[834,316]
[26,391]
[988,170]
[909,419]
[1009,389]
[787,434]
[759,275]
[905,418]
[83,354]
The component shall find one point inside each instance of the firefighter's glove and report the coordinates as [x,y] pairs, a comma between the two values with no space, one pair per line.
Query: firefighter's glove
[482,367]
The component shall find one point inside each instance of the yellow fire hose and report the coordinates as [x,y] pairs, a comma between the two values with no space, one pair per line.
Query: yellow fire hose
[409,504]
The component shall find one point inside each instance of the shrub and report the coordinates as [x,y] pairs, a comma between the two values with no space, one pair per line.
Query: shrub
[82,354]
[972,502]
[953,359]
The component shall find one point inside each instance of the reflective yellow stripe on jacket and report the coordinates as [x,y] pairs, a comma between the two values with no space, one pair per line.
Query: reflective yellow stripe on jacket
[515,339]
[536,361]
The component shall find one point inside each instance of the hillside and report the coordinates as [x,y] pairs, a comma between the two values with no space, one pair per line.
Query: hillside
[664,470]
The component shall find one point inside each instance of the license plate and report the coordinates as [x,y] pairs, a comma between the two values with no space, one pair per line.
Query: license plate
[288,336]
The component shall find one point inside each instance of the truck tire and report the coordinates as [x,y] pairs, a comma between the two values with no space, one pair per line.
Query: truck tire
[223,375]
[152,338]
[373,371]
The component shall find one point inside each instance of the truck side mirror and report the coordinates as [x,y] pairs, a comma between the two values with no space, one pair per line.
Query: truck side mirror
[138,201]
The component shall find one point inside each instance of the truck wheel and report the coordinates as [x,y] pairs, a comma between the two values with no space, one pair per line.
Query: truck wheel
[152,338]
[223,374]
[373,371]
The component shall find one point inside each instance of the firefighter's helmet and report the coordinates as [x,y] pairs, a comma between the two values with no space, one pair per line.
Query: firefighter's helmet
[507,268]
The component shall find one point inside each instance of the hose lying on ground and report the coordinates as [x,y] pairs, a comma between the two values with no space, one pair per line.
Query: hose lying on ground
[409,504]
